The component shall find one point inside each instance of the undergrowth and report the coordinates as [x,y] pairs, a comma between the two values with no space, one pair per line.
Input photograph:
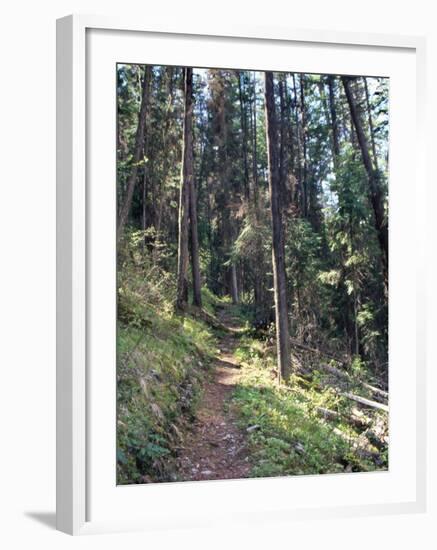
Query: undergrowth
[286,435]
[162,359]
[162,362]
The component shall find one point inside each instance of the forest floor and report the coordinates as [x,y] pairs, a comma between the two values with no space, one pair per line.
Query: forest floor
[198,399]
[214,446]
[246,425]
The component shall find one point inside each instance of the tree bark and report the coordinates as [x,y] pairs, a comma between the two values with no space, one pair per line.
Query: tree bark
[144,199]
[375,193]
[234,284]
[370,119]
[334,123]
[366,402]
[304,146]
[286,145]
[166,163]
[139,144]
[260,302]
[189,177]
[184,198]
[298,191]
[244,140]
[254,150]
[278,249]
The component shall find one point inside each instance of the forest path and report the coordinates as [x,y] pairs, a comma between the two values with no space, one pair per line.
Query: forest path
[214,447]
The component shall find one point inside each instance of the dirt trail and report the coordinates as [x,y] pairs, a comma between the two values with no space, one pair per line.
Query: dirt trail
[214,447]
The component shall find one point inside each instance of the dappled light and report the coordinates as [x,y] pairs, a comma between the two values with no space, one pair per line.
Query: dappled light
[252,274]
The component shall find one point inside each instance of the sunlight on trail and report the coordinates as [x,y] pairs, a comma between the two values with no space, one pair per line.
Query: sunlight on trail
[214,447]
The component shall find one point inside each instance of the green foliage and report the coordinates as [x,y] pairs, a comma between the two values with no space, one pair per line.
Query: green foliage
[210,302]
[354,249]
[161,360]
[290,437]
[302,252]
[335,288]
[358,367]
[332,252]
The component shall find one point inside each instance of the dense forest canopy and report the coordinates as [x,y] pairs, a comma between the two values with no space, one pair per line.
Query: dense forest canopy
[334,268]
[267,190]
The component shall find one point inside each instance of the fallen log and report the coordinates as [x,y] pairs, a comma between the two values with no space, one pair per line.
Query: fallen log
[366,402]
[328,414]
[361,447]
[377,434]
[376,391]
[345,376]
[335,372]
[359,422]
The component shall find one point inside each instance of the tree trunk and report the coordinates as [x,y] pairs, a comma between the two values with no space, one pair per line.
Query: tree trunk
[197,286]
[298,191]
[371,128]
[244,140]
[234,284]
[258,263]
[189,175]
[166,163]
[304,146]
[144,205]
[139,144]
[255,150]
[334,123]
[376,197]
[285,143]
[278,249]
[184,196]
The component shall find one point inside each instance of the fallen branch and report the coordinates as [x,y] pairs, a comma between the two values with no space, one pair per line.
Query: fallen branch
[335,372]
[360,447]
[366,402]
[359,422]
[343,375]
[373,434]
[376,391]
[328,414]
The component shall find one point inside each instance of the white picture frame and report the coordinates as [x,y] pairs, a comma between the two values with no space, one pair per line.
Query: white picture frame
[75,290]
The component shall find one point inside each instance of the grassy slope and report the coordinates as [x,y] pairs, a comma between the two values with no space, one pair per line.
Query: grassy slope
[162,360]
[286,434]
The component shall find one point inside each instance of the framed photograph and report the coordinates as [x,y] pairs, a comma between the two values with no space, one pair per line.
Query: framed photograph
[240,328]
